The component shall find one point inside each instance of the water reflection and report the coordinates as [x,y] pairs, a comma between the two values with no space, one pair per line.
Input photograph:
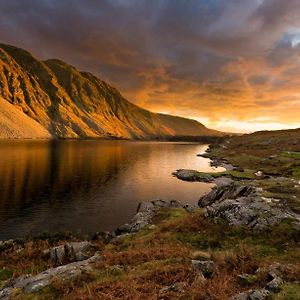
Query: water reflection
[88,185]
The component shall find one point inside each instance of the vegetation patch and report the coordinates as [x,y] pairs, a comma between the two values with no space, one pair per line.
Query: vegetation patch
[289,292]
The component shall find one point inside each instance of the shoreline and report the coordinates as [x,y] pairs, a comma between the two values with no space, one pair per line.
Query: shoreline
[235,209]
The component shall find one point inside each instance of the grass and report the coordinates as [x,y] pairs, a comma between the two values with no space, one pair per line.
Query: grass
[235,174]
[274,153]
[289,292]
[140,265]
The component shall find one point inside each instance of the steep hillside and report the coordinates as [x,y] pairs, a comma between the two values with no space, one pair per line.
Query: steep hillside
[70,104]
[15,124]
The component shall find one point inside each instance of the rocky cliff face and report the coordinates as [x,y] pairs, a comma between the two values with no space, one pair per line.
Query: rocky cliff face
[71,104]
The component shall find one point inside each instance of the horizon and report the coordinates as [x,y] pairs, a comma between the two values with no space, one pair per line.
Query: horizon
[231,66]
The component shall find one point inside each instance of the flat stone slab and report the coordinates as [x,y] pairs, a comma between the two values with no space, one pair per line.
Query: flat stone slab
[30,284]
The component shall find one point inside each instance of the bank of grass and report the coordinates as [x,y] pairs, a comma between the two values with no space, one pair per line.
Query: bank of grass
[289,292]
[234,174]
[273,152]
[140,265]
[276,154]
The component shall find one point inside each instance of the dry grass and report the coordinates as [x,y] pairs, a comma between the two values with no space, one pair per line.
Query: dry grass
[25,259]
[140,265]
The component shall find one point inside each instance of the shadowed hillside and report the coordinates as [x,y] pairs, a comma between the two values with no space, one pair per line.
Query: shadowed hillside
[71,104]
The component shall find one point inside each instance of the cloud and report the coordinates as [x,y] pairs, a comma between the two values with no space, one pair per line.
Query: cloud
[212,60]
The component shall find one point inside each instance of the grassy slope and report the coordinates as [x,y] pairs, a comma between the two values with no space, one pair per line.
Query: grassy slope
[160,256]
[273,152]
[276,154]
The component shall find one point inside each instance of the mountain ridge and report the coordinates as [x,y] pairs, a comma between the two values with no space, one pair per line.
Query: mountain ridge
[70,103]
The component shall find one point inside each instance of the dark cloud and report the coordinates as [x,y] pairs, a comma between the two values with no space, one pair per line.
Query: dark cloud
[212,60]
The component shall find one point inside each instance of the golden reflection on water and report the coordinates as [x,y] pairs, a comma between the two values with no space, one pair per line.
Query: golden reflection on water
[88,185]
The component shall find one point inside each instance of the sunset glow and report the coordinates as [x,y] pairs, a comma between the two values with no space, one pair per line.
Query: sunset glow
[232,64]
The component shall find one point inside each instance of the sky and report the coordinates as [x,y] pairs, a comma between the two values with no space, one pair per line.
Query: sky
[231,64]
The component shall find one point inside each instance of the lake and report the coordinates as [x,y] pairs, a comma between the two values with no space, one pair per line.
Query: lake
[89,185]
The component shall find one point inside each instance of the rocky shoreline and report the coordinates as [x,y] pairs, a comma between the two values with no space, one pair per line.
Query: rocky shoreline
[76,258]
[236,202]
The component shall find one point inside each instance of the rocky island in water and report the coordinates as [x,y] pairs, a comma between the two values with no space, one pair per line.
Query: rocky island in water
[241,242]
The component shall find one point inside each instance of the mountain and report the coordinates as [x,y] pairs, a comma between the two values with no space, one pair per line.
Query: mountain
[15,124]
[60,101]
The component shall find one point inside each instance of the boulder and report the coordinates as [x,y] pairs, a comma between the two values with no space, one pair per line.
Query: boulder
[274,271]
[145,212]
[242,205]
[275,285]
[206,267]
[74,251]
[58,254]
[192,175]
[261,294]
[145,205]
[29,284]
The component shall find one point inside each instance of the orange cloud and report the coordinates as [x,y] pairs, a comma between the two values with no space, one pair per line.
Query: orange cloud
[232,64]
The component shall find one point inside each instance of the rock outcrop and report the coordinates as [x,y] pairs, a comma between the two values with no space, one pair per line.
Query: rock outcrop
[145,212]
[205,267]
[261,294]
[243,205]
[192,175]
[273,285]
[74,251]
[30,284]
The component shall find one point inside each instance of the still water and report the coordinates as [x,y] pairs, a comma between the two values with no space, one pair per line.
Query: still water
[89,186]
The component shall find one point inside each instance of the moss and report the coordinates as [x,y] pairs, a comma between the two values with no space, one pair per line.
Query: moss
[198,240]
[246,280]
[291,154]
[5,274]
[244,174]
[47,293]
[296,172]
[289,292]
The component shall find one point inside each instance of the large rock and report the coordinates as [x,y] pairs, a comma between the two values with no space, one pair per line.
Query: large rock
[145,212]
[231,191]
[192,175]
[261,294]
[244,206]
[206,267]
[29,284]
[275,285]
[75,251]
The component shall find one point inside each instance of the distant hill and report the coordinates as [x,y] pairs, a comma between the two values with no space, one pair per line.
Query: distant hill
[61,101]
[266,141]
